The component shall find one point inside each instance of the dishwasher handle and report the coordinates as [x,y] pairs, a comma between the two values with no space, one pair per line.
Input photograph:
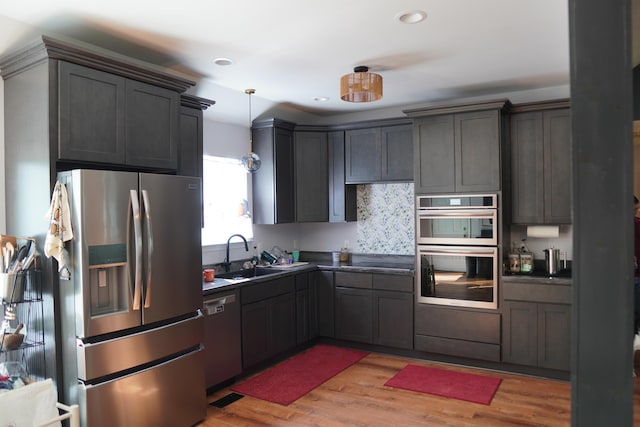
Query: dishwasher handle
[216,305]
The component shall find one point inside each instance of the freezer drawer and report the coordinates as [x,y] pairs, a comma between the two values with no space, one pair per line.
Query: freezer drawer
[107,357]
[171,394]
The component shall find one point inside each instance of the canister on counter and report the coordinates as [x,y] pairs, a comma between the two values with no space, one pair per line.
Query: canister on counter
[514,262]
[526,262]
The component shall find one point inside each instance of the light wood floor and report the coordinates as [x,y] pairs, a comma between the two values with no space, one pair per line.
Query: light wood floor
[358,397]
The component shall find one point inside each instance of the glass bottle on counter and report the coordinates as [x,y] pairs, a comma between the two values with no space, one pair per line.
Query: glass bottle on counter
[526,259]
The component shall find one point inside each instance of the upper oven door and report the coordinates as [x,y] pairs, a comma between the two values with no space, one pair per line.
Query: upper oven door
[457,227]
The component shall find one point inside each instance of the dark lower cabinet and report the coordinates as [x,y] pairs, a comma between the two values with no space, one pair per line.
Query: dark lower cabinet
[457,332]
[354,314]
[303,305]
[323,281]
[374,308]
[268,320]
[393,319]
[536,325]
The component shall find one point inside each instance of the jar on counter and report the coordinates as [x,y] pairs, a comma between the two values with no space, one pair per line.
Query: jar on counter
[526,262]
[514,262]
[344,255]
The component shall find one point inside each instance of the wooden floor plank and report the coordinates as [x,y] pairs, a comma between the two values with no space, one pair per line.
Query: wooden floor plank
[358,397]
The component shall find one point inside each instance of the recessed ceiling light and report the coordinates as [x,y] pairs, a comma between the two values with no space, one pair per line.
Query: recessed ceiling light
[412,17]
[321,98]
[222,61]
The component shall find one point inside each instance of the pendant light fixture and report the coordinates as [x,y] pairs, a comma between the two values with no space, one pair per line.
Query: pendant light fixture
[361,85]
[251,161]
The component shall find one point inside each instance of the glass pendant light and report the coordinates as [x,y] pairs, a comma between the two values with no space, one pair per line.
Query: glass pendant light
[251,160]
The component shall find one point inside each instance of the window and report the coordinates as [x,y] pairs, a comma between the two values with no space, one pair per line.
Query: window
[226,206]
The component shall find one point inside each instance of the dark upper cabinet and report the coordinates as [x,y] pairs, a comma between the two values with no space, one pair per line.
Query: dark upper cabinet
[397,153]
[104,118]
[458,149]
[541,165]
[191,138]
[342,197]
[379,154]
[273,183]
[91,109]
[311,173]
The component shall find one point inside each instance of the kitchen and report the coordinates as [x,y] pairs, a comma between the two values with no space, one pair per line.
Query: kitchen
[340,240]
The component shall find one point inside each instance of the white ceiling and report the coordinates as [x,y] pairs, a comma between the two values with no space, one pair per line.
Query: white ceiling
[292,51]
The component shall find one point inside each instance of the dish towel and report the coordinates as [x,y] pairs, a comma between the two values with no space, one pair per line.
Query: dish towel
[59,216]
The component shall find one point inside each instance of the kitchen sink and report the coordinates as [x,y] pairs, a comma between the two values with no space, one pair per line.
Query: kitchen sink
[247,273]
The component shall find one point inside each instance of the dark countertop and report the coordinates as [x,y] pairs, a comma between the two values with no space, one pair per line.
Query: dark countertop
[540,276]
[376,264]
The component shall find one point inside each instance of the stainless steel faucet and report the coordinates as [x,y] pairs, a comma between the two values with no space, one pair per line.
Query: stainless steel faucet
[227,261]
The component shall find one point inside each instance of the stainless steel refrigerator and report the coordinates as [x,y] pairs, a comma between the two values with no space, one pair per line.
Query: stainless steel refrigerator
[130,315]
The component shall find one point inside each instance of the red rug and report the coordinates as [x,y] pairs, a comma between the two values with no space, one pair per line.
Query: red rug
[293,378]
[442,382]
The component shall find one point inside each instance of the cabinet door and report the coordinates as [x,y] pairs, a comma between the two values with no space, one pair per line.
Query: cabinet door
[314,276]
[256,334]
[434,155]
[190,144]
[342,197]
[283,323]
[91,115]
[520,333]
[354,314]
[527,168]
[325,303]
[284,184]
[151,126]
[557,166]
[554,336]
[393,319]
[302,307]
[190,148]
[273,183]
[312,180]
[397,153]
[477,151]
[362,155]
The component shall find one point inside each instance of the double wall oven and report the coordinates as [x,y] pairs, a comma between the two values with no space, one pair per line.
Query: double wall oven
[457,250]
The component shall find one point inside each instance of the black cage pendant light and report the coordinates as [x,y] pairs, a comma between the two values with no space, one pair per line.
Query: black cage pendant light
[250,161]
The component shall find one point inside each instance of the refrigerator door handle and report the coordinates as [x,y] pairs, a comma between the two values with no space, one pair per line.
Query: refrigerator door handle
[147,214]
[136,220]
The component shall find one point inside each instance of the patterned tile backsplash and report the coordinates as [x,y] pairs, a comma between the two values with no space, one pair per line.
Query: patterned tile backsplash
[386,219]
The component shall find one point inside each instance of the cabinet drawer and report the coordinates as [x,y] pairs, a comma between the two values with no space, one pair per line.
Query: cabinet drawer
[353,280]
[457,324]
[474,350]
[393,282]
[533,292]
[264,290]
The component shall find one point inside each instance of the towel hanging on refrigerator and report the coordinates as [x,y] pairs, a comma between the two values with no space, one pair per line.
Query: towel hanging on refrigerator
[59,216]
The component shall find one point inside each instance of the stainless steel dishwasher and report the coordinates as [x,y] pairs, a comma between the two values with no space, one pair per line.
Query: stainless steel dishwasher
[222,337]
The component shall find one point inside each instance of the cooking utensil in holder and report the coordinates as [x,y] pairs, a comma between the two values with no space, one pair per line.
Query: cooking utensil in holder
[12,286]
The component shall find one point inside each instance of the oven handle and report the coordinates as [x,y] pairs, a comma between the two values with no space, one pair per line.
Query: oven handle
[458,250]
[458,213]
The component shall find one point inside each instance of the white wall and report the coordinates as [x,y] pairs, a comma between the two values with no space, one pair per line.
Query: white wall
[3,210]
[223,139]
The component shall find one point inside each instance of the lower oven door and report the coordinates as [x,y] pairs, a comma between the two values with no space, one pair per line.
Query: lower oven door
[465,276]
